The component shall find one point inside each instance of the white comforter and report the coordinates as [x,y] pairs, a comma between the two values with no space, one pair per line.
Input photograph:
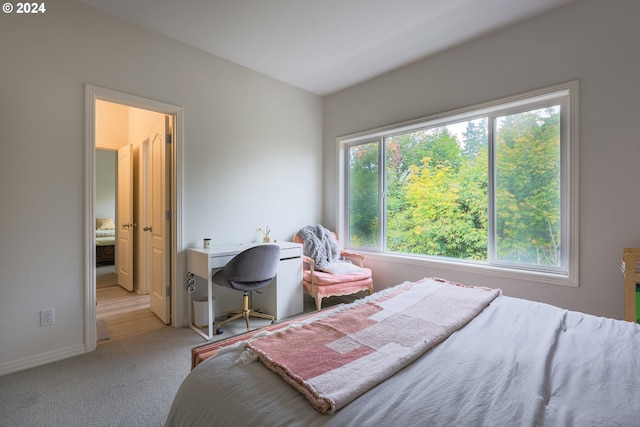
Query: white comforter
[518,363]
[105,237]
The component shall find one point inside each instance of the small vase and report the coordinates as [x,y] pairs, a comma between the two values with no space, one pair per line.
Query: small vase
[266,239]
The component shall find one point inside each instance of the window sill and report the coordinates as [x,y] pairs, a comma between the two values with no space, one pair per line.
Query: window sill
[472,267]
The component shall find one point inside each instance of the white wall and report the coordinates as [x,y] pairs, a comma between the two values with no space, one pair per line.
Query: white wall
[105,206]
[111,125]
[252,157]
[593,41]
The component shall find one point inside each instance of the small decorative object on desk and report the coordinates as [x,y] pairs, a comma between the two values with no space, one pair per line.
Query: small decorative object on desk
[207,243]
[265,234]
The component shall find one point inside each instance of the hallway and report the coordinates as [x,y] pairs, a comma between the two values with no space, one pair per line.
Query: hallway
[120,313]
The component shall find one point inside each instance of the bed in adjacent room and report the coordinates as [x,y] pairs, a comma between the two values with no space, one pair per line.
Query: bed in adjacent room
[105,241]
[430,352]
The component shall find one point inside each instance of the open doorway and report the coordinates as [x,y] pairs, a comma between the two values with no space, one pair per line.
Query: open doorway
[133,152]
[140,137]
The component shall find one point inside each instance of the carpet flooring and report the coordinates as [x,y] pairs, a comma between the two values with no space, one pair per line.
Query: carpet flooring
[128,382]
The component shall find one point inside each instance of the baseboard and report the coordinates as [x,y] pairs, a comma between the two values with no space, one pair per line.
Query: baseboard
[41,359]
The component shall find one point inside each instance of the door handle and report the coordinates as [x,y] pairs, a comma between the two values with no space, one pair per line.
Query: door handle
[147,228]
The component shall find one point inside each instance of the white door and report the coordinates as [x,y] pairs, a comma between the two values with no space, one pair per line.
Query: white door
[158,222]
[124,218]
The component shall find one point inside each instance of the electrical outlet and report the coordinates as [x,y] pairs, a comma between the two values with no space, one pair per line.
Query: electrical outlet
[46,317]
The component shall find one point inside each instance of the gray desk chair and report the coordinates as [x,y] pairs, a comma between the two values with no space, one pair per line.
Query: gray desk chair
[250,270]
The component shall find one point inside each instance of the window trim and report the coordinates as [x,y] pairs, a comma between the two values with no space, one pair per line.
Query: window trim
[569,181]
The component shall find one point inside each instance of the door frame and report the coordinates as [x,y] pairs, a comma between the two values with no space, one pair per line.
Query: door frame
[92,94]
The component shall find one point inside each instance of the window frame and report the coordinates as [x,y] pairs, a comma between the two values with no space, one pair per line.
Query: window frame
[569,158]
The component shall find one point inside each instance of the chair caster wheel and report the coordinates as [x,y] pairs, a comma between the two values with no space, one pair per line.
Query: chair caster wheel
[219,331]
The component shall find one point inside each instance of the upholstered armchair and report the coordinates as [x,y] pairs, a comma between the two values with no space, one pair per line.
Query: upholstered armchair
[322,284]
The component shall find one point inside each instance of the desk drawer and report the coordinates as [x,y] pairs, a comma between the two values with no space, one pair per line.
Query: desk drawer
[219,261]
[286,253]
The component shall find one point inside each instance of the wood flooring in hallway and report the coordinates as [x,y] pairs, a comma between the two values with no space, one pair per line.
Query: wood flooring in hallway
[127,314]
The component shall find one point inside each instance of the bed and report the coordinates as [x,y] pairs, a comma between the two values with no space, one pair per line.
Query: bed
[105,241]
[515,362]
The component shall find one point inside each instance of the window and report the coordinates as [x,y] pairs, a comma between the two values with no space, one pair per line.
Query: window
[489,186]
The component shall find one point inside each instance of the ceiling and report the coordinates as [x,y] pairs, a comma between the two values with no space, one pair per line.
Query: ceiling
[323,46]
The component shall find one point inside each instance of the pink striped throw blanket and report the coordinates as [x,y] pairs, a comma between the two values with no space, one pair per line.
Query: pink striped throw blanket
[339,356]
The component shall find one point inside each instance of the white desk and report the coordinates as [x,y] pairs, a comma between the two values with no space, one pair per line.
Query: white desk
[282,298]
